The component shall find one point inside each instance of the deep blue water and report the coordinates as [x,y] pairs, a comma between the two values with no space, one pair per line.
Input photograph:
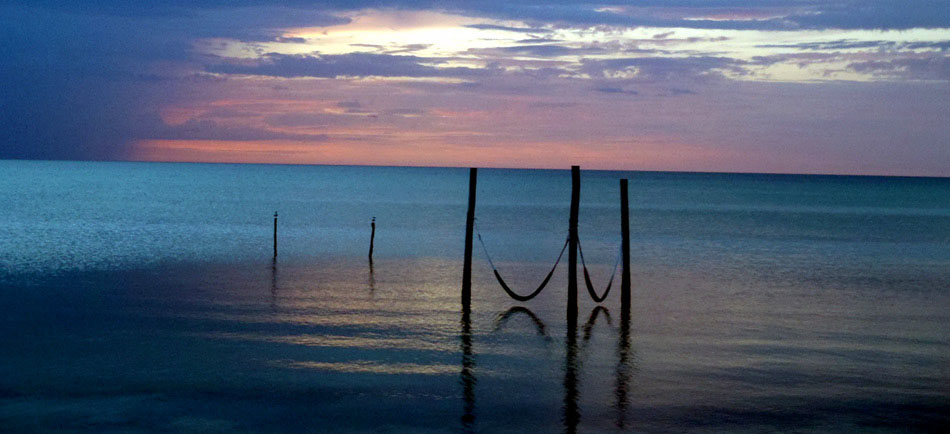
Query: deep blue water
[139,297]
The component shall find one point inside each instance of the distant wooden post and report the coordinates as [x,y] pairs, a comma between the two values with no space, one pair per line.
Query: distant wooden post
[372,236]
[572,246]
[469,224]
[275,234]
[625,248]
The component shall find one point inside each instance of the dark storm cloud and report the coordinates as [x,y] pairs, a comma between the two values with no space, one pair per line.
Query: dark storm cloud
[347,65]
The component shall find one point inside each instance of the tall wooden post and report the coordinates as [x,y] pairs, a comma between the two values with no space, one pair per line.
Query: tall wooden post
[572,247]
[625,246]
[469,224]
[372,237]
[275,234]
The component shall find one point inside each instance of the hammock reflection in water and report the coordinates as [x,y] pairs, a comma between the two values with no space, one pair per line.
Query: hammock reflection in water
[571,415]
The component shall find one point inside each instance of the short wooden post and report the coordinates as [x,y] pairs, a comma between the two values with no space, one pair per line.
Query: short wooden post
[469,225]
[372,237]
[275,234]
[625,246]
[572,247]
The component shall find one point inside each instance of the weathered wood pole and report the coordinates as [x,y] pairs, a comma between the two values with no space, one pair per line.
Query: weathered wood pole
[469,225]
[275,234]
[372,237]
[572,247]
[625,246]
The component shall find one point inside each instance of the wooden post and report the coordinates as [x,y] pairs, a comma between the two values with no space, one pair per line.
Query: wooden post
[275,234]
[372,236]
[625,246]
[572,247]
[469,224]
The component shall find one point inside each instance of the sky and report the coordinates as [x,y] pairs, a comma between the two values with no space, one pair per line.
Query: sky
[776,86]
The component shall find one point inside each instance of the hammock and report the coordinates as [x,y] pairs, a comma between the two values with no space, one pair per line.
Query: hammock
[505,286]
[590,286]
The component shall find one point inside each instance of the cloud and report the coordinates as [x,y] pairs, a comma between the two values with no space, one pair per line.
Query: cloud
[679,91]
[84,79]
[307,120]
[550,50]
[849,44]
[206,129]
[616,90]
[708,14]
[347,65]
[662,68]
[290,40]
[538,41]
[926,68]
[508,28]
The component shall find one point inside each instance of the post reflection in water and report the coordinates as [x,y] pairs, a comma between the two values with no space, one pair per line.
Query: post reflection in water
[571,415]
[468,372]
[624,368]
[273,284]
[372,277]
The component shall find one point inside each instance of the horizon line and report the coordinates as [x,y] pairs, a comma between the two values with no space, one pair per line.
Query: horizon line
[697,172]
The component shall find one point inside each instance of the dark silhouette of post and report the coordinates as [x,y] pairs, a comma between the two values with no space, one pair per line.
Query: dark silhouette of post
[572,247]
[469,224]
[622,382]
[372,236]
[625,248]
[275,234]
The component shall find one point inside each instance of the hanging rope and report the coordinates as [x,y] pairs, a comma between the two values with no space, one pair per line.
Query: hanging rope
[501,281]
[590,286]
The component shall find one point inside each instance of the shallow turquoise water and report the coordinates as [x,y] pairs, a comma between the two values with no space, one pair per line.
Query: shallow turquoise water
[142,298]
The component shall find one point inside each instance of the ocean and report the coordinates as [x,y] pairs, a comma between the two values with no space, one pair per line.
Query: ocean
[144,297]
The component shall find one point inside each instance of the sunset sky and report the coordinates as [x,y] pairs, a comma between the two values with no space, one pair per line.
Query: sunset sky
[792,86]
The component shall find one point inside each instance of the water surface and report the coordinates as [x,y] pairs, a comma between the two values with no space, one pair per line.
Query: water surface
[139,297]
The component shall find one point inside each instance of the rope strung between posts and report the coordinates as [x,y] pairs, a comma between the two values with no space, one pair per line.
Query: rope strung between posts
[590,286]
[501,281]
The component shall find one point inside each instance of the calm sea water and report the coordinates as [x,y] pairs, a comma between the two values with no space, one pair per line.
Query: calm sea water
[140,297]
